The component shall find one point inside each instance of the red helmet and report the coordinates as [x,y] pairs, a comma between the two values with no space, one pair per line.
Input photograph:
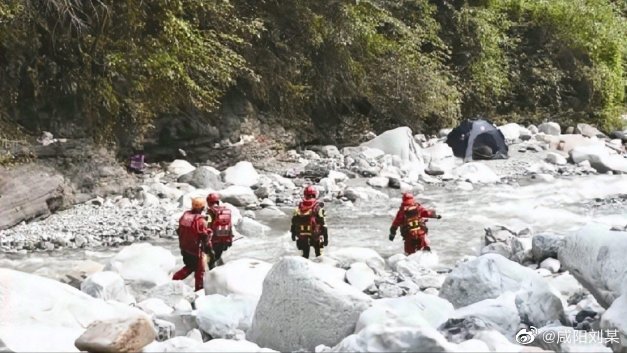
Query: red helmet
[310,192]
[213,198]
[408,199]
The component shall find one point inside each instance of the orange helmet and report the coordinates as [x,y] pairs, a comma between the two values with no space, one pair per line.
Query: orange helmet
[198,203]
[213,198]
[310,192]
[408,199]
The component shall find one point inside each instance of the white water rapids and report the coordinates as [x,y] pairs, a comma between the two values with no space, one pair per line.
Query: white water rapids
[559,207]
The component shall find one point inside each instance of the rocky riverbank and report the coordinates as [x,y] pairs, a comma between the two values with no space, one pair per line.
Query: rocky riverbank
[353,298]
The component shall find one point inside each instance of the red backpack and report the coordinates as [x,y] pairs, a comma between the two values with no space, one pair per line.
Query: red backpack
[221,225]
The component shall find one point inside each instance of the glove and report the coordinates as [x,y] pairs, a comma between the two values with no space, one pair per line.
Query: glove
[439,216]
[326,241]
[293,237]
[392,235]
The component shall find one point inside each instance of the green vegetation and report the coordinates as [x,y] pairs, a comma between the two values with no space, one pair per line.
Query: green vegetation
[331,68]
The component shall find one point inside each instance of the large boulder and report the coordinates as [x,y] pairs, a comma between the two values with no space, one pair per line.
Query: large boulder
[107,285]
[238,195]
[544,246]
[180,167]
[488,276]
[303,306]
[498,314]
[539,304]
[550,128]
[476,172]
[224,316]
[42,315]
[29,192]
[241,276]
[144,263]
[588,131]
[599,158]
[251,228]
[511,131]
[399,142]
[555,158]
[360,276]
[241,174]
[381,338]
[129,334]
[172,292]
[203,178]
[615,320]
[414,310]
[595,255]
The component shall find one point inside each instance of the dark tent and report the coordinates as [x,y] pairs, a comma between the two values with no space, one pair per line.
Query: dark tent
[477,139]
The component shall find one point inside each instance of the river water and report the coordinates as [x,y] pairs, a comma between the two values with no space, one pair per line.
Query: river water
[559,207]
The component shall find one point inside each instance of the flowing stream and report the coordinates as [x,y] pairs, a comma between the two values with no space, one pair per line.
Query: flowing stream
[559,207]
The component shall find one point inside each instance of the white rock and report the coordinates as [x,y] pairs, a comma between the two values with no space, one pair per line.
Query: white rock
[476,172]
[378,182]
[550,264]
[360,276]
[496,342]
[231,346]
[472,345]
[437,152]
[285,183]
[487,276]
[185,201]
[365,194]
[129,334]
[298,293]
[155,306]
[380,338]
[596,257]
[175,344]
[222,316]
[393,260]
[165,191]
[412,310]
[251,228]
[143,263]
[43,315]
[271,212]
[426,259]
[555,158]
[180,167]
[522,249]
[511,131]
[399,142]
[148,199]
[203,177]
[172,292]
[241,276]
[371,153]
[545,245]
[241,174]
[182,306]
[349,255]
[539,304]
[566,284]
[550,129]
[499,314]
[311,155]
[464,186]
[107,285]
[615,319]
[337,176]
[238,195]
[330,151]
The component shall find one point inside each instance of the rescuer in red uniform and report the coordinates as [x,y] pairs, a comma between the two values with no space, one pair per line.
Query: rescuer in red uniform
[195,242]
[411,219]
[219,218]
[308,224]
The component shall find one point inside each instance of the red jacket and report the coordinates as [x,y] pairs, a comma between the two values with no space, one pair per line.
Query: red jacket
[193,233]
[399,220]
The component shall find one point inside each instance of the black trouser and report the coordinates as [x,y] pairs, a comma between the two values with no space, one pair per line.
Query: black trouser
[218,249]
[305,244]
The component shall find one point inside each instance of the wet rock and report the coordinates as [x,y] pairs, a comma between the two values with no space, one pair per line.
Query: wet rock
[297,291]
[476,172]
[155,306]
[499,314]
[241,276]
[117,335]
[143,263]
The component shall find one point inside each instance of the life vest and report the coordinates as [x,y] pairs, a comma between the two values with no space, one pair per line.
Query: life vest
[304,218]
[413,222]
[221,222]
[189,239]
